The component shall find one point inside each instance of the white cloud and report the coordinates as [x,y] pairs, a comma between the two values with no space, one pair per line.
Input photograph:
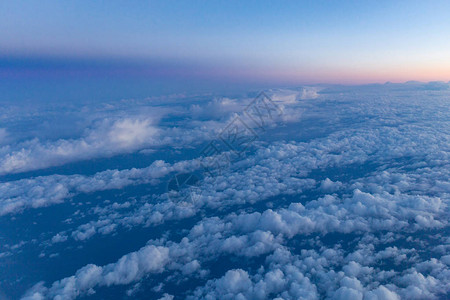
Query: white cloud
[381,293]
[216,109]
[386,166]
[328,185]
[47,190]
[106,139]
[130,267]
[166,297]
[58,238]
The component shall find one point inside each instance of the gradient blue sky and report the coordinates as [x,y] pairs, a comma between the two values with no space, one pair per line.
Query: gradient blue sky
[279,41]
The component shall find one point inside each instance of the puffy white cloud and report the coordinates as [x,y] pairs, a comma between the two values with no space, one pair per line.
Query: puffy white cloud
[47,190]
[37,292]
[58,238]
[381,293]
[166,297]
[106,139]
[346,293]
[328,185]
[216,109]
[110,133]
[362,201]
[271,172]
[129,268]
[288,96]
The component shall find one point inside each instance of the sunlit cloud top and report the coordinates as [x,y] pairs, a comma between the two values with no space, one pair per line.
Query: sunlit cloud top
[291,42]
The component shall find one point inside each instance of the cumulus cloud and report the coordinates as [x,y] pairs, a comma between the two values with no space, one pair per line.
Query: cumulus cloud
[288,96]
[216,109]
[127,269]
[273,171]
[121,133]
[58,238]
[328,185]
[358,212]
[255,234]
[107,138]
[43,191]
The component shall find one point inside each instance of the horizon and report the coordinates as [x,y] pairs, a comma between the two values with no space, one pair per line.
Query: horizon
[247,150]
[254,42]
[39,66]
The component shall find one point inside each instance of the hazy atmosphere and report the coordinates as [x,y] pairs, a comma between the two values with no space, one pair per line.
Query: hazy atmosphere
[224,150]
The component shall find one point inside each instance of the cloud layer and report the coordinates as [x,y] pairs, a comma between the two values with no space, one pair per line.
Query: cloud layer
[347,198]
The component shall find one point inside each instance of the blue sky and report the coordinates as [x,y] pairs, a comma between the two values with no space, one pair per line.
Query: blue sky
[289,42]
[305,191]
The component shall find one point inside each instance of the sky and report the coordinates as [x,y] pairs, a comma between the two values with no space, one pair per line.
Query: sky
[131,167]
[293,42]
